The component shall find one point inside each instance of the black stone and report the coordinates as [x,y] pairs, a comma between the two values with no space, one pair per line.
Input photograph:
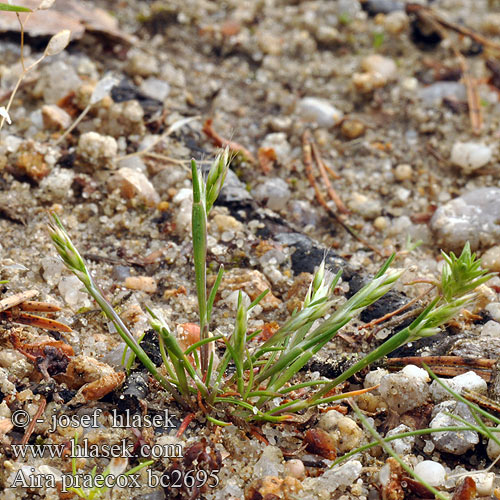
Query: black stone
[127,91]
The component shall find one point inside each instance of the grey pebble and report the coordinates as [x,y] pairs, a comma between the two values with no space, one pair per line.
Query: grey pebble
[449,441]
[473,217]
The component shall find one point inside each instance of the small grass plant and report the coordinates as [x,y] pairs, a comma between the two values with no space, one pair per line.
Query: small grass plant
[256,382]
[99,482]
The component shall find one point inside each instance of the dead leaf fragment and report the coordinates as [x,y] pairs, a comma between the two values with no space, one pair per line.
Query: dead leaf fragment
[69,14]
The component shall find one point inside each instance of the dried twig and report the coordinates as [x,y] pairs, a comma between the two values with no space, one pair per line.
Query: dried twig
[447,365]
[187,420]
[324,169]
[307,158]
[396,311]
[475,113]
[31,426]
[431,16]
[17,299]
[11,307]
[220,142]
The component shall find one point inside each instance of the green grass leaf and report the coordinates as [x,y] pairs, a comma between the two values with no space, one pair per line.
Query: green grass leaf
[14,8]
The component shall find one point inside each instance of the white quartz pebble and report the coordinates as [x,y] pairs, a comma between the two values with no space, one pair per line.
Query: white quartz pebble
[403,393]
[414,371]
[469,380]
[493,450]
[470,155]
[320,111]
[484,483]
[431,472]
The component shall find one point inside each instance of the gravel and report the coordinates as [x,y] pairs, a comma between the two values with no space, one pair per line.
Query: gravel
[387,109]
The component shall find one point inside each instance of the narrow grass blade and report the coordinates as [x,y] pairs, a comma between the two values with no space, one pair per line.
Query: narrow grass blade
[392,453]
[14,8]
[213,292]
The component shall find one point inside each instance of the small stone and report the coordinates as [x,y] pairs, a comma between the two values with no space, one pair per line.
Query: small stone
[234,191]
[123,119]
[471,217]
[456,443]
[96,149]
[396,22]
[344,430]
[484,483]
[270,463]
[295,468]
[320,442]
[142,63]
[368,208]
[32,163]
[327,34]
[155,88]
[433,94]
[279,123]
[378,71]
[367,82]
[380,223]
[187,335]
[403,393]
[332,479]
[374,377]
[352,128]
[490,25]
[493,309]
[371,403]
[55,118]
[227,223]
[491,329]
[269,43]
[493,449]
[319,111]
[414,371]
[403,172]
[169,178]
[143,283]
[470,155]
[484,296]
[348,8]
[273,487]
[6,386]
[401,446]
[57,185]
[410,84]
[303,213]
[375,63]
[273,192]
[251,281]
[431,472]
[374,7]
[11,143]
[52,270]
[491,259]
[470,381]
[56,81]
[278,142]
[71,290]
[134,163]
[120,273]
[133,184]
